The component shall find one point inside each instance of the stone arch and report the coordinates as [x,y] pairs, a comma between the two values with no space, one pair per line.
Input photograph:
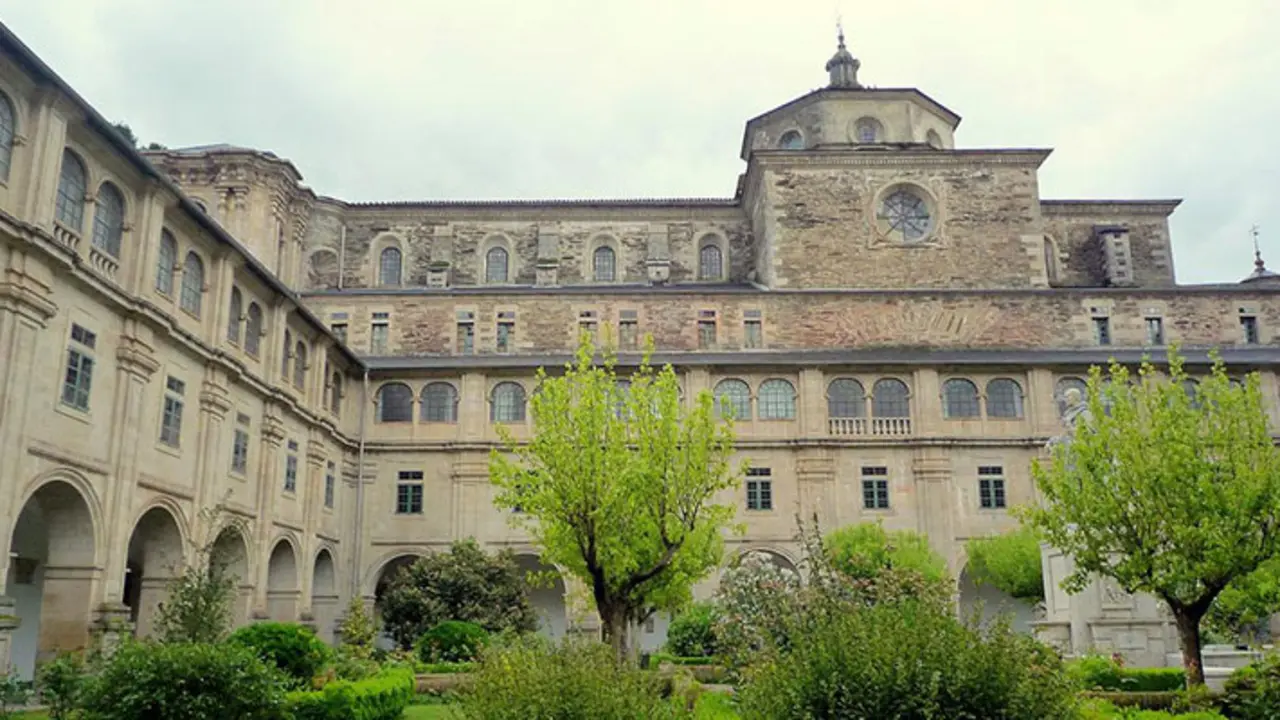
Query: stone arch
[322,268]
[155,555]
[325,606]
[507,273]
[712,257]
[52,568]
[380,243]
[231,548]
[385,568]
[547,598]
[992,602]
[282,581]
[783,559]
[607,268]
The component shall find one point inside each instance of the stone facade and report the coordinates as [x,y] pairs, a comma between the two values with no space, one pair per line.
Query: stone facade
[194,329]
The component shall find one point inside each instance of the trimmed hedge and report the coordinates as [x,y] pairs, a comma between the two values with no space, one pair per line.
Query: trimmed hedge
[292,647]
[657,659]
[451,641]
[381,697]
[1095,672]
[1096,709]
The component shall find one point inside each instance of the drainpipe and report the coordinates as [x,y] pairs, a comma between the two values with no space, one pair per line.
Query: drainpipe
[359,522]
[342,254]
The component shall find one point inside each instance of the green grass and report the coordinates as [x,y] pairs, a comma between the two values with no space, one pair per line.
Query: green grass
[429,712]
[711,706]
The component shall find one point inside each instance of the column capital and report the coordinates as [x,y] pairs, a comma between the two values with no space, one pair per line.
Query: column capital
[136,358]
[214,400]
[273,431]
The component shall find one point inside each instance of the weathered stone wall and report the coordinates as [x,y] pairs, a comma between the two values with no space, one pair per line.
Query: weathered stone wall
[1070,225]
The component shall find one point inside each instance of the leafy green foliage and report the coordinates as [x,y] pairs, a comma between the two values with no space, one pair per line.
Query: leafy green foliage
[618,485]
[465,583]
[452,641]
[185,681]
[572,680]
[357,632]
[905,660]
[692,632]
[1099,709]
[1009,562]
[61,682]
[1242,610]
[14,693]
[381,697]
[753,601]
[292,648]
[866,550]
[197,608]
[1098,672]
[1168,495]
[1253,692]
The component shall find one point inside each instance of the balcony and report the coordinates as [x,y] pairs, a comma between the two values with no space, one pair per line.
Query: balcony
[870,427]
[65,237]
[103,262]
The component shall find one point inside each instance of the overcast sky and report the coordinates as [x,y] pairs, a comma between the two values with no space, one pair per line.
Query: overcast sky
[435,99]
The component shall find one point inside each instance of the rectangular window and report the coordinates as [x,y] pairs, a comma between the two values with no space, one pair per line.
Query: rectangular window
[466,335]
[240,445]
[330,483]
[759,489]
[1155,331]
[171,420]
[291,468]
[991,487]
[78,380]
[628,330]
[409,493]
[505,340]
[1102,330]
[875,488]
[339,331]
[588,323]
[379,331]
[1249,326]
[752,329]
[706,329]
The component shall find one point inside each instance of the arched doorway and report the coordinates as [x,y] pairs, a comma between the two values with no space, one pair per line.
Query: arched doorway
[994,603]
[155,558]
[546,595]
[231,552]
[324,595]
[390,569]
[51,575]
[282,583]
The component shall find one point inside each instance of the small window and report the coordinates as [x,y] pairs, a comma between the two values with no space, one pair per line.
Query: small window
[339,330]
[1004,398]
[379,332]
[710,261]
[495,266]
[628,330]
[991,495]
[439,403]
[507,404]
[166,260]
[335,393]
[777,400]
[960,399]
[171,419]
[233,317]
[1155,331]
[330,483]
[603,264]
[77,381]
[846,399]
[409,493]
[1050,261]
[589,323]
[240,446]
[192,284]
[389,264]
[394,403]
[8,129]
[72,186]
[875,488]
[791,140]
[291,468]
[759,489]
[466,332]
[300,365]
[1102,330]
[505,337]
[706,329]
[253,330]
[890,399]
[287,352]
[869,130]
[752,329]
[108,220]
[733,399]
[1249,328]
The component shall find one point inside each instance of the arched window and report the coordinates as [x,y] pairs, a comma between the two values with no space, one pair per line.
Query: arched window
[960,399]
[507,403]
[8,128]
[233,316]
[166,261]
[300,365]
[890,399]
[846,399]
[253,329]
[791,140]
[108,220]
[192,284]
[1050,261]
[284,356]
[733,399]
[335,393]
[1063,386]
[603,264]
[777,400]
[389,267]
[495,266]
[394,403]
[1004,398]
[710,261]
[72,185]
[869,130]
[439,403]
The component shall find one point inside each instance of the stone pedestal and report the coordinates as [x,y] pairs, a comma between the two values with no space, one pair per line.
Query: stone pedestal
[111,627]
[8,623]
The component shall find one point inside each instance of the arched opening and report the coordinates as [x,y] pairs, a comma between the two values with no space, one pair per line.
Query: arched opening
[546,595]
[282,583]
[994,603]
[231,551]
[51,575]
[324,595]
[389,571]
[779,560]
[155,558]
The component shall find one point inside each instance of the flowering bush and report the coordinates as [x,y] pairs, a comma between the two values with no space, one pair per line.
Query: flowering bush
[754,598]
[692,632]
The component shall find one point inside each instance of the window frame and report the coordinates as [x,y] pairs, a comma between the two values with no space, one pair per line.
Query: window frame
[172,409]
[877,402]
[875,478]
[431,409]
[490,276]
[109,210]
[993,493]
[191,291]
[253,330]
[70,200]
[519,404]
[168,248]
[759,489]
[604,248]
[380,403]
[788,408]
[711,241]
[719,392]
[390,251]
[77,393]
[8,135]
[961,407]
[993,399]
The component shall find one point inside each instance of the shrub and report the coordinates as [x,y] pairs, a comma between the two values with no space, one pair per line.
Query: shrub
[864,550]
[1098,672]
[1010,562]
[61,681]
[571,680]
[451,641]
[754,599]
[905,660]
[184,682]
[14,693]
[1253,692]
[692,632]
[293,648]
[381,697]
[1102,710]
[358,631]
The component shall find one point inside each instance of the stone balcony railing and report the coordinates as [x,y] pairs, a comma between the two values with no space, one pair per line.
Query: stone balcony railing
[103,262]
[877,427]
[65,236]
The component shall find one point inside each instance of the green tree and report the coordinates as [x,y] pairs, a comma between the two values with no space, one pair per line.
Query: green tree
[127,133]
[197,608]
[618,485]
[1242,610]
[465,583]
[1009,562]
[1167,493]
[864,550]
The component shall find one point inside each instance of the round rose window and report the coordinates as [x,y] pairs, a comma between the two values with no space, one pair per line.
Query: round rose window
[904,216]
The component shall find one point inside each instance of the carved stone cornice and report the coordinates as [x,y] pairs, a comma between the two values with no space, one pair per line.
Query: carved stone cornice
[30,302]
[273,431]
[136,358]
[214,399]
[317,453]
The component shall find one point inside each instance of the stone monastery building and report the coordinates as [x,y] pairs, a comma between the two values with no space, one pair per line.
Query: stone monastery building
[894,318]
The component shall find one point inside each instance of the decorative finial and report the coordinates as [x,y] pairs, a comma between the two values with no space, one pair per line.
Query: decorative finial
[843,66]
[1257,250]
[1260,272]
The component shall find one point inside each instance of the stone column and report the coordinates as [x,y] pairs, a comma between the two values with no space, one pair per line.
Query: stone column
[215,403]
[931,470]
[65,610]
[813,403]
[8,623]
[816,481]
[273,434]
[926,403]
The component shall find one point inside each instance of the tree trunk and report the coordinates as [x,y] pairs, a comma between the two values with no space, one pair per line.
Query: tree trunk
[1189,637]
[614,620]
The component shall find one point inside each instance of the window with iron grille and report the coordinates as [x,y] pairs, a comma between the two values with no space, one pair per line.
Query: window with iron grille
[77,382]
[466,339]
[409,493]
[875,488]
[710,262]
[166,259]
[1155,331]
[1102,330]
[379,331]
[507,404]
[733,399]
[1004,398]
[1249,327]
[171,419]
[604,264]
[330,483]
[991,487]
[291,468]
[439,403]
[506,336]
[706,329]
[752,329]
[759,489]
[959,399]
[628,330]
[777,400]
[846,398]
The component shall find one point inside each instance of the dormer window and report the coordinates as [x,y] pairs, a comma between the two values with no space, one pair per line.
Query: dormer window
[791,140]
[868,130]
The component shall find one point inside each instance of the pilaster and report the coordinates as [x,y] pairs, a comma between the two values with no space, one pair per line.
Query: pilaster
[931,470]
[473,409]
[813,403]
[215,403]
[926,403]
[48,137]
[269,462]
[658,254]
[547,269]
[816,482]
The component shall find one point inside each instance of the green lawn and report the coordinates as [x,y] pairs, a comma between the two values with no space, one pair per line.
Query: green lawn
[429,712]
[712,706]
